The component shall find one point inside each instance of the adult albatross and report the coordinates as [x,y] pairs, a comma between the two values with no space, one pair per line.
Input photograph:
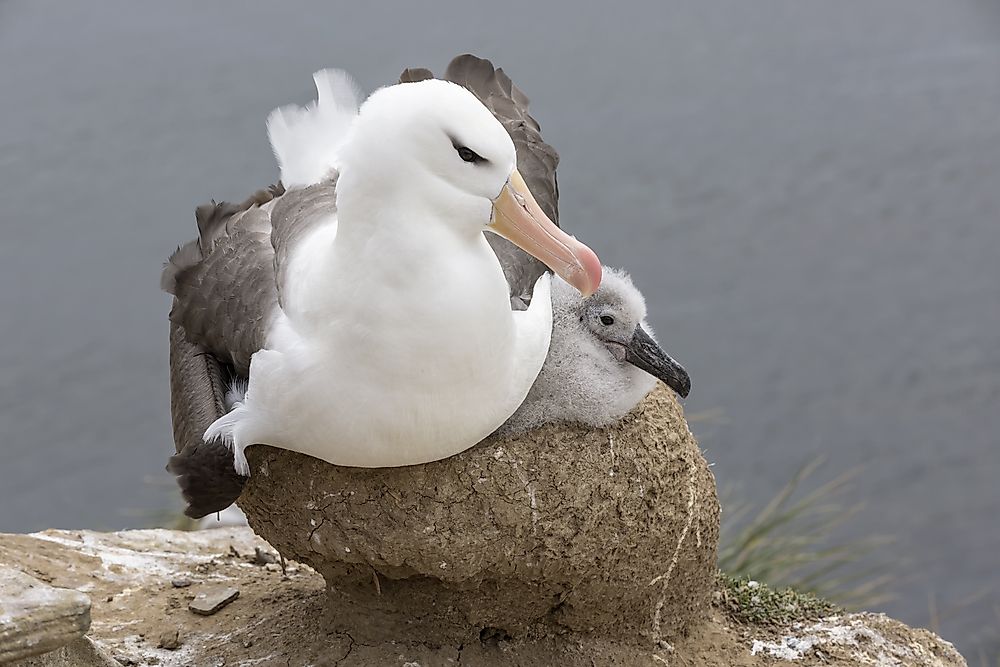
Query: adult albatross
[364,303]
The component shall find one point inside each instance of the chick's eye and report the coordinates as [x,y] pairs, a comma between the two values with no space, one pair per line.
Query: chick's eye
[469,155]
[607,320]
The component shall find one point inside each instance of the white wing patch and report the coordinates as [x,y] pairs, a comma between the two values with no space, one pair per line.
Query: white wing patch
[306,140]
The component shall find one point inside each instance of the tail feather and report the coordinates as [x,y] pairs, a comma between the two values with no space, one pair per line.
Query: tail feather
[306,139]
[207,478]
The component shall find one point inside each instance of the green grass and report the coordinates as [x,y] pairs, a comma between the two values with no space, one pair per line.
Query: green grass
[789,543]
[748,601]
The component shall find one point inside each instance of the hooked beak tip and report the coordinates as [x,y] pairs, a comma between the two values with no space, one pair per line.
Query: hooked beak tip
[591,272]
[683,387]
[518,218]
[645,353]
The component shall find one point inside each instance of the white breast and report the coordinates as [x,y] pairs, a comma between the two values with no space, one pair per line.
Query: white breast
[413,367]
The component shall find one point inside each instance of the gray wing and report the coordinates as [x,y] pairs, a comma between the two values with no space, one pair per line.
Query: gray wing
[223,282]
[536,160]
[226,285]
[209,346]
[204,470]
[294,216]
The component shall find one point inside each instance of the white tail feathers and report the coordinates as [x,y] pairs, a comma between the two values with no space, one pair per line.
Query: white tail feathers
[305,140]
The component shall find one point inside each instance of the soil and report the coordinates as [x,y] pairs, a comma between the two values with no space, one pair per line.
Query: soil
[141,582]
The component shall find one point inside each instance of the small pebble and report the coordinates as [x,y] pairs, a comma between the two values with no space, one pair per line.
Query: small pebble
[170,640]
[180,583]
[212,601]
[263,557]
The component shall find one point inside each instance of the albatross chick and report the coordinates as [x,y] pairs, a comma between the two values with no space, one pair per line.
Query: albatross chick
[602,360]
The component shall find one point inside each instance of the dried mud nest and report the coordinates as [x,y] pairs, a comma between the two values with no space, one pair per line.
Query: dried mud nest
[610,532]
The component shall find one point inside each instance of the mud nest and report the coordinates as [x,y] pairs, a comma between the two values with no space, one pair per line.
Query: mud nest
[609,531]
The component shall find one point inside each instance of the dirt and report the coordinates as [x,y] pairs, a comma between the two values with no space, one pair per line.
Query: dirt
[290,619]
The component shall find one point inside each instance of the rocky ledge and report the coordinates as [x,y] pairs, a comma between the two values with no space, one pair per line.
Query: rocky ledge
[150,591]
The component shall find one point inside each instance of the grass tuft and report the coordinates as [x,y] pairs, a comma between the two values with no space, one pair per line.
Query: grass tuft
[748,601]
[788,544]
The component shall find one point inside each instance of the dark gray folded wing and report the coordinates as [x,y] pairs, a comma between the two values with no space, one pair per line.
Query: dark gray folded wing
[215,279]
[226,287]
[223,282]
[536,160]
[204,470]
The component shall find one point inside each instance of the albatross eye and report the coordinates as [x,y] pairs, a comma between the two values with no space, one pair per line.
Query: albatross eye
[607,320]
[469,155]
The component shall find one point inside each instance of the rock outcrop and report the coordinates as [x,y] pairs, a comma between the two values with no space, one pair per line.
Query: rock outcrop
[36,618]
[142,582]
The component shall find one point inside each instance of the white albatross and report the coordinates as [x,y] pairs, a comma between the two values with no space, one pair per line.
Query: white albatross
[383,335]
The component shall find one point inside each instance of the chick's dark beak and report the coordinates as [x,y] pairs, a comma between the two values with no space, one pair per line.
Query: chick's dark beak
[643,352]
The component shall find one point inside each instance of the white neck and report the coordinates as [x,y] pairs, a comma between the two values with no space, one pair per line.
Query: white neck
[428,266]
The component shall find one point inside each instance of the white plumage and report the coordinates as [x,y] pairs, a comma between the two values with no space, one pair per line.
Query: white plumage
[306,140]
[395,343]
[590,375]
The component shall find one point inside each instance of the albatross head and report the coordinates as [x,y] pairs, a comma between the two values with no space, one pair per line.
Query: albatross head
[435,146]
[615,318]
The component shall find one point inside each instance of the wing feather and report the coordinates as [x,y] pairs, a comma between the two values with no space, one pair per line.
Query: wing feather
[204,470]
[294,217]
[223,285]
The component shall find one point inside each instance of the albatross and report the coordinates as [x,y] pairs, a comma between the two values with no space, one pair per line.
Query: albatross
[603,359]
[362,300]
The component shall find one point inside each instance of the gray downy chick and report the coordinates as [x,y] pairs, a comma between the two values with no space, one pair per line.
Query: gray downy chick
[603,359]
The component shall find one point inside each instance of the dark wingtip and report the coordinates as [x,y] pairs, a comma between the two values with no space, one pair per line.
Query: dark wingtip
[207,479]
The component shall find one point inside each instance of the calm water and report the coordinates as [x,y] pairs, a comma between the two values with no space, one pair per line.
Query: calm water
[808,194]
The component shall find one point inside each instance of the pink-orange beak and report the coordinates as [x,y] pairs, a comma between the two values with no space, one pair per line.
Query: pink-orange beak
[518,218]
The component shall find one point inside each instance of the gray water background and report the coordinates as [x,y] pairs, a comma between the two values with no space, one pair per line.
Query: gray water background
[808,193]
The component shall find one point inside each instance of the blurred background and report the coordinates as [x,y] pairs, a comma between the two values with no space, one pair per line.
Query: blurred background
[807,193]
